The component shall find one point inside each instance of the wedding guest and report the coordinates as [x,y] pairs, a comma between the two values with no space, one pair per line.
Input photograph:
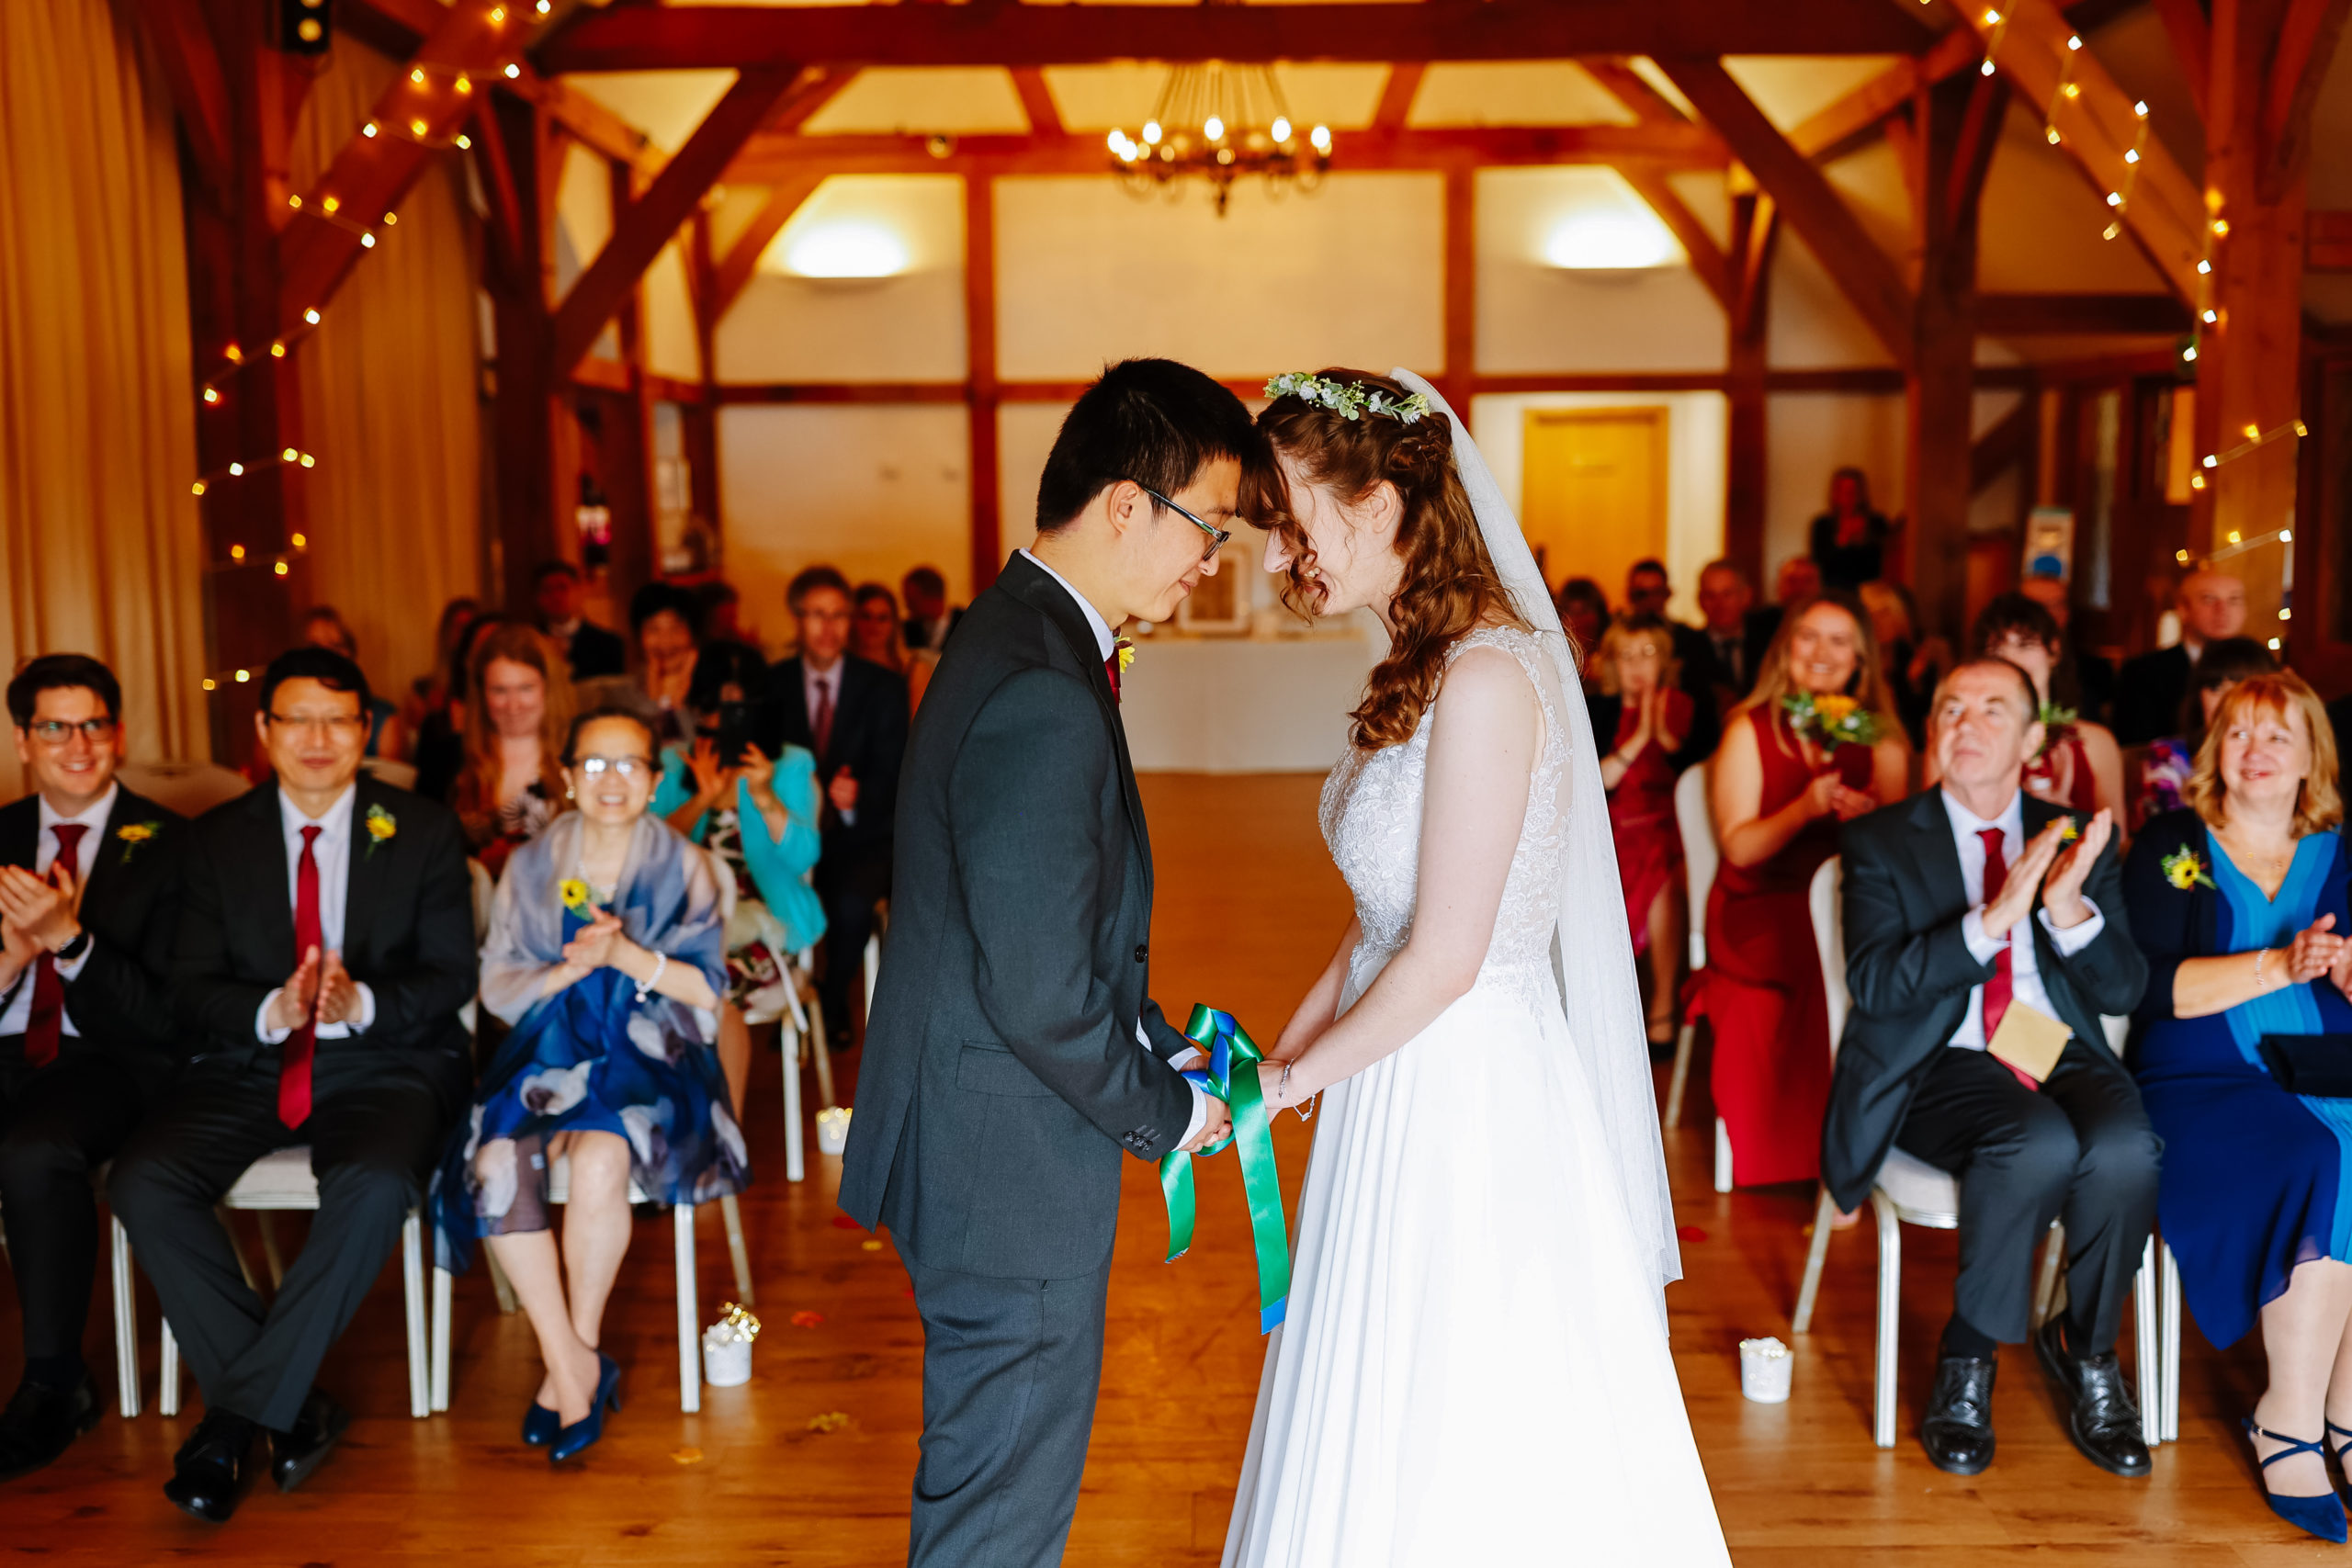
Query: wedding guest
[1816,744]
[1647,592]
[2079,765]
[2240,902]
[326,943]
[2171,760]
[1727,599]
[661,617]
[1797,583]
[441,740]
[1584,610]
[431,692]
[1647,716]
[1848,542]
[607,955]
[323,626]
[1970,907]
[928,617]
[1914,665]
[852,717]
[88,907]
[2211,606]
[874,635]
[517,712]
[559,592]
[2084,680]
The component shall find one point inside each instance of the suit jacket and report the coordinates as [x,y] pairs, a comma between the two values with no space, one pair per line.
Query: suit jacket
[1001,1074]
[595,651]
[408,930]
[1697,657]
[2149,692]
[120,1000]
[869,738]
[1910,972]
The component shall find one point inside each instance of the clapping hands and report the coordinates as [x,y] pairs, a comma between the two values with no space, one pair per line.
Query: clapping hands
[2055,869]
[47,910]
[596,945]
[321,990]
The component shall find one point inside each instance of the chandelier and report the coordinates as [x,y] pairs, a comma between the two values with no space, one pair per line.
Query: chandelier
[1221,123]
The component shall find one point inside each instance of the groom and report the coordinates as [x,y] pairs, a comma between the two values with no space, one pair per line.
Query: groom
[1012,1050]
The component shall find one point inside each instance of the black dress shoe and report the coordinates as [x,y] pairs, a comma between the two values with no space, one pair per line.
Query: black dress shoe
[2103,1419]
[1957,1429]
[294,1454]
[209,1472]
[41,1423]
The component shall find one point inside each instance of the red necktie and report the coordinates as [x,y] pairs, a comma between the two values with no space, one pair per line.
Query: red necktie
[1998,990]
[821,723]
[45,1026]
[294,1068]
[1110,668]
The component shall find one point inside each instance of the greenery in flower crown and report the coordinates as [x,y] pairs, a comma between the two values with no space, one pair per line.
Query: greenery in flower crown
[2057,723]
[1830,720]
[1352,401]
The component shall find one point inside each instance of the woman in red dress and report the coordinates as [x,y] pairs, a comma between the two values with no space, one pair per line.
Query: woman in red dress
[1779,796]
[1652,718]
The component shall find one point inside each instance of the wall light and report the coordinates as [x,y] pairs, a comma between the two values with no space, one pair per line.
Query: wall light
[846,250]
[1607,239]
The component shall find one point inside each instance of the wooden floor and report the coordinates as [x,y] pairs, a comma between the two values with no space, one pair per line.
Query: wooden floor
[1249,909]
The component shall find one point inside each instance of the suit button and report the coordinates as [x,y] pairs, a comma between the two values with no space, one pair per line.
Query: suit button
[1143,951]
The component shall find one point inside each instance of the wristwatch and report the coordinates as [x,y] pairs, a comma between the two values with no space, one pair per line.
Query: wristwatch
[75,949]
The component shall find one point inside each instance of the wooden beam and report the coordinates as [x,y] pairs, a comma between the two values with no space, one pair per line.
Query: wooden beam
[2193,44]
[1460,286]
[2327,241]
[639,232]
[1630,87]
[2307,41]
[1396,94]
[980,349]
[637,37]
[1948,119]
[1807,199]
[1979,135]
[1706,256]
[735,272]
[2004,447]
[507,250]
[1867,110]
[2052,315]
[191,68]
[1037,100]
[1748,436]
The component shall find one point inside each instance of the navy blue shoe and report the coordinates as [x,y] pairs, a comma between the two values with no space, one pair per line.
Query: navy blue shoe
[2336,1451]
[580,1436]
[2322,1515]
[540,1426]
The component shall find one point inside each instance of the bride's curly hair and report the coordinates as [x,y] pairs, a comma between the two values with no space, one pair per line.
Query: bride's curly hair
[1449,585]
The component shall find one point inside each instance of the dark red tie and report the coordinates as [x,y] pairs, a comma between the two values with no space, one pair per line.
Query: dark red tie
[294,1067]
[1999,989]
[821,723]
[1110,668]
[45,1027]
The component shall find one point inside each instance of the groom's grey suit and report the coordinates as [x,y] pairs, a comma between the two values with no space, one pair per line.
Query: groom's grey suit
[1003,1072]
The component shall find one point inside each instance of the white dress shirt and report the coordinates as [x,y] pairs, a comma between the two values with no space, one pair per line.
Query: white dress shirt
[332,852]
[93,821]
[1105,641]
[2025,969]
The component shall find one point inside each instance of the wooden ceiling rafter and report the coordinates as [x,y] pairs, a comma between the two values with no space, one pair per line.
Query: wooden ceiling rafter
[199,88]
[2191,34]
[1398,93]
[1617,76]
[1037,100]
[1706,257]
[734,271]
[2307,41]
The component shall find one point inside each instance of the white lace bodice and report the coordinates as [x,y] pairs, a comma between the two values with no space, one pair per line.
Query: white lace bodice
[1372,813]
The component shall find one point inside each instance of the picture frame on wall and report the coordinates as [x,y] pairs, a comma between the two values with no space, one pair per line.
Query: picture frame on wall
[1217,606]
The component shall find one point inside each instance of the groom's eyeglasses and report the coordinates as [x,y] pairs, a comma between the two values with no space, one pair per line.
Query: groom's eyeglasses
[1218,537]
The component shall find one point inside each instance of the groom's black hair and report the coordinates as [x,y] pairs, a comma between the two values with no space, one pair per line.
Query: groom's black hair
[1150,420]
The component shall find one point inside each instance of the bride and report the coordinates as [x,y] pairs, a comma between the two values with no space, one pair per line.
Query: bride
[1474,1368]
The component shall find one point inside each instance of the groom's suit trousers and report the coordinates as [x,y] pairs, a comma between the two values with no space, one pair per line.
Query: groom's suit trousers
[1009,1371]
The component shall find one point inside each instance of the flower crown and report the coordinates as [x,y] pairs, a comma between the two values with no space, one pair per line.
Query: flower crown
[1352,401]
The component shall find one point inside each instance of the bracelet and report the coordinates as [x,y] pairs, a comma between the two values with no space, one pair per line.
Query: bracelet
[2261,954]
[660,961]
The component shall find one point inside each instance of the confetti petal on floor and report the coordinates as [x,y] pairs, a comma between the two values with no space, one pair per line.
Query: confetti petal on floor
[686,1456]
[870,1245]
[831,1421]
[1689,1233]
[843,1223]
[806,1319]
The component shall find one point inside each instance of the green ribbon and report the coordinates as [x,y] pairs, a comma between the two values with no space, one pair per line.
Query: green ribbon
[1232,1076]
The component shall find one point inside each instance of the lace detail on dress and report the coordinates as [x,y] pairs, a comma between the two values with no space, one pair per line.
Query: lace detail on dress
[1370,816]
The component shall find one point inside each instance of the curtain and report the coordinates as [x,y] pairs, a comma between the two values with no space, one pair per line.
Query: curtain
[103,547]
[389,405]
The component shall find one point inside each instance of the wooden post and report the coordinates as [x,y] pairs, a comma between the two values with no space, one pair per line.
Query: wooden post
[980,395]
[1460,285]
[1750,271]
[523,418]
[701,419]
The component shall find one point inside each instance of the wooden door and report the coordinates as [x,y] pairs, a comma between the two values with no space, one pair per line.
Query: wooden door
[1592,491]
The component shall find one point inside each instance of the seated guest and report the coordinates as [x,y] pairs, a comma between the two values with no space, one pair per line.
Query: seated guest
[441,740]
[88,905]
[661,616]
[2079,766]
[1817,744]
[326,943]
[1914,665]
[323,626]
[1849,541]
[518,709]
[1939,953]
[928,617]
[2241,903]
[2165,770]
[852,717]
[874,635]
[1726,597]
[605,954]
[559,593]
[2148,696]
[1647,714]
[429,693]
[2089,677]
[1797,583]
[1584,610]
[1647,592]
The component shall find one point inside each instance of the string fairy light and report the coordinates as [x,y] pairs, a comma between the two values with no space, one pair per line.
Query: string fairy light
[2119,198]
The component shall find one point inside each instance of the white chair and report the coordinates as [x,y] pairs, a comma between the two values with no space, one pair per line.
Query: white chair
[276,1182]
[1911,1191]
[1694,819]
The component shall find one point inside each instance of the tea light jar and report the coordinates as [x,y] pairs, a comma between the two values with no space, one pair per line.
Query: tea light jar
[832,1129]
[1765,1366]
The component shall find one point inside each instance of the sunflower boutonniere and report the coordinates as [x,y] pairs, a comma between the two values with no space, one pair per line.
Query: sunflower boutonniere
[135,834]
[381,826]
[1830,720]
[1124,651]
[2185,869]
[574,894]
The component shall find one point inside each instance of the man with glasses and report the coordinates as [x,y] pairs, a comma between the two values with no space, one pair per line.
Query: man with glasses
[325,945]
[87,874]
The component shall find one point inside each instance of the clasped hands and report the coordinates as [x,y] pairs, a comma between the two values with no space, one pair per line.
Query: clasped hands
[2055,869]
[1219,1124]
[38,914]
[2318,951]
[1830,794]
[319,991]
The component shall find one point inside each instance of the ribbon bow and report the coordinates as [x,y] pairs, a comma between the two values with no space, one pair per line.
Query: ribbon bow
[1232,1076]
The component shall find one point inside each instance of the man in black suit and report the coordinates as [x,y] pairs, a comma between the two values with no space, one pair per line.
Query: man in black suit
[87,908]
[1014,1050]
[325,945]
[557,591]
[1970,921]
[929,617]
[852,717]
[2150,692]
[1725,596]
[1647,590]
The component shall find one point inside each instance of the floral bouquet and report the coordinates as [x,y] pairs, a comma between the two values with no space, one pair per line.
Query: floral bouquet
[1830,720]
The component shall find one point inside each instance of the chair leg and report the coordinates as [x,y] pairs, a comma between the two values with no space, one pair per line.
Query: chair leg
[1722,1156]
[126,1321]
[500,1285]
[823,1051]
[419,1355]
[229,1228]
[689,1317]
[269,1249]
[2168,1315]
[2145,1335]
[795,1164]
[2046,1290]
[167,1396]
[441,1283]
[873,969]
[1823,1213]
[732,1212]
[1889,1317]
[1684,1043]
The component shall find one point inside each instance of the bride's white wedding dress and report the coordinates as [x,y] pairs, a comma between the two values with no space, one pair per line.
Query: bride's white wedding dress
[1473,1370]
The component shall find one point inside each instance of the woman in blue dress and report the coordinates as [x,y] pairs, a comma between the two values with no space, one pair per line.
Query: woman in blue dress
[606,955]
[2239,901]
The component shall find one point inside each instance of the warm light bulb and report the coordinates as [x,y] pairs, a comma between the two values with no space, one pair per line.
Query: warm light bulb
[196,488]
[2234,535]
[1214,129]
[236,470]
[2285,614]
[2221,228]
[464,143]
[243,676]
[465,83]
[417,75]
[1151,133]
[2074,90]
[368,241]
[289,454]
[311,315]
[1992,18]
[279,568]
[330,204]
[294,201]
[417,127]
[543,7]
[512,70]
[390,218]
[234,354]
[846,250]
[2052,134]
[2114,198]
[2141,108]
[369,129]
[2204,266]
[1280,128]
[497,15]
[2286,536]
[1611,240]
[236,552]
[2196,482]
[2075,41]
[308,462]
[278,350]
[1986,69]
[2131,155]
[208,684]
[2299,429]
[2212,317]
[2253,432]
[2181,556]
[2210,461]
[299,542]
[2189,353]
[211,394]
[1321,136]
